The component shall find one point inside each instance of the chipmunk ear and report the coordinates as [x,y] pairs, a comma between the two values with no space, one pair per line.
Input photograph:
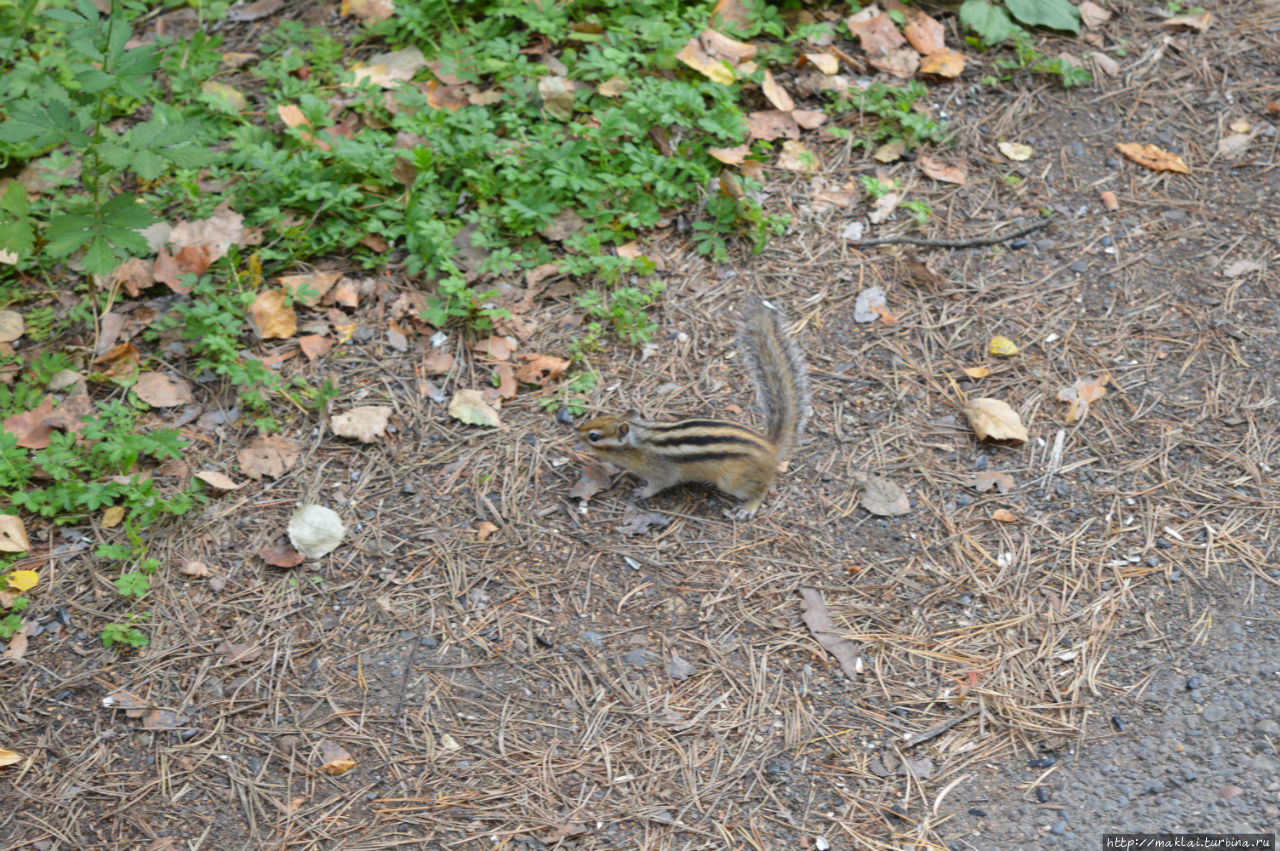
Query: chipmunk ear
[624,429]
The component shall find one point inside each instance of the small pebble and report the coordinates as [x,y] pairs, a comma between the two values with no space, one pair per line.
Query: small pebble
[1059,827]
[974,811]
[1193,683]
[981,462]
[1107,242]
[1018,244]
[1079,266]
[1041,795]
[1231,791]
[1042,762]
[564,416]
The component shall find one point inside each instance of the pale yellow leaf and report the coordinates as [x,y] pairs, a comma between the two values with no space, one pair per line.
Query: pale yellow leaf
[13,534]
[993,419]
[23,580]
[1002,346]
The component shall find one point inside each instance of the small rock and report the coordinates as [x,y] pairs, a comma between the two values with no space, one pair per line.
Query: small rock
[1059,827]
[1193,683]
[1268,727]
[1214,713]
[1230,791]
[1079,266]
[638,658]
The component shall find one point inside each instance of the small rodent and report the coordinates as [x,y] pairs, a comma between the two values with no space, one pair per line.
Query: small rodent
[736,459]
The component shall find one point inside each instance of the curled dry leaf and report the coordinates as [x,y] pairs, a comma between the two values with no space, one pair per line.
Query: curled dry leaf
[884,498]
[1081,394]
[696,57]
[69,416]
[1199,23]
[864,308]
[438,362]
[239,653]
[991,480]
[8,757]
[220,481]
[593,480]
[776,94]
[925,34]
[268,455]
[1156,159]
[976,372]
[470,407]
[945,63]
[903,62]
[507,385]
[309,289]
[161,391]
[13,534]
[939,170]
[993,419]
[272,318]
[498,348]
[281,556]
[770,124]
[1004,515]
[730,156]
[823,629]
[484,530]
[1092,15]
[1109,200]
[824,62]
[198,569]
[366,423]
[337,760]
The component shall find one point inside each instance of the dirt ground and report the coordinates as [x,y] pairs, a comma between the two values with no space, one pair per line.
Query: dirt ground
[588,677]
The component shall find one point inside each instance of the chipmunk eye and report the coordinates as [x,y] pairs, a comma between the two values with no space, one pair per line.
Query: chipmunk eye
[593,436]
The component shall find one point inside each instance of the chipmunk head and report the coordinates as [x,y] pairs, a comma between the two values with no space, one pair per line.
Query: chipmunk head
[606,433]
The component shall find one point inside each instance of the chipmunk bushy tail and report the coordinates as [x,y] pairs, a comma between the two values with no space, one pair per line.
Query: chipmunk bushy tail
[779,373]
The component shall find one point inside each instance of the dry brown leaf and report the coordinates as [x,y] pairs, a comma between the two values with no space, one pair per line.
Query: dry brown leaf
[890,151]
[1109,200]
[245,12]
[731,11]
[809,119]
[1092,15]
[925,34]
[593,480]
[823,629]
[166,271]
[903,62]
[438,362]
[163,719]
[113,516]
[992,480]
[11,325]
[239,653]
[161,391]
[272,317]
[944,63]
[976,372]
[1081,394]
[772,124]
[994,419]
[366,423]
[498,348]
[315,346]
[198,569]
[346,293]
[120,360]
[563,225]
[696,57]
[485,530]
[17,645]
[8,757]
[388,70]
[877,34]
[69,416]
[541,369]
[776,94]
[13,534]
[217,233]
[133,275]
[731,156]
[268,455]
[824,62]
[369,11]
[1199,23]
[132,705]
[310,288]
[29,427]
[220,481]
[796,157]
[337,760]
[1156,159]
[469,406]
[884,498]
[507,384]
[557,95]
[281,556]
[939,170]
[1004,515]
[613,87]
[884,207]
[719,45]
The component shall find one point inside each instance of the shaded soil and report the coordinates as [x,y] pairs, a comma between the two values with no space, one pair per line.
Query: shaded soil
[562,682]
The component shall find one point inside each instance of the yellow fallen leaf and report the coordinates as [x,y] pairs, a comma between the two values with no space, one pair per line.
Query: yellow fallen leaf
[944,63]
[23,580]
[1156,159]
[1002,346]
[977,371]
[1015,151]
[824,62]
[696,58]
[112,516]
[993,419]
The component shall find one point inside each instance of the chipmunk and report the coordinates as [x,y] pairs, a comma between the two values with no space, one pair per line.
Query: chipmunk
[736,459]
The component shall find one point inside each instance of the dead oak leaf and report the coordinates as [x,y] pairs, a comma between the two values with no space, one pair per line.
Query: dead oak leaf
[945,63]
[925,34]
[337,759]
[310,288]
[469,406]
[239,653]
[1079,396]
[498,348]
[776,94]
[770,124]
[884,498]
[161,391]
[218,481]
[268,455]
[69,416]
[939,170]
[281,556]
[593,480]
[315,346]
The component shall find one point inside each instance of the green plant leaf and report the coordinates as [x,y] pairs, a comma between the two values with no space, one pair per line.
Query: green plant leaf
[16,233]
[990,22]
[42,125]
[1054,14]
